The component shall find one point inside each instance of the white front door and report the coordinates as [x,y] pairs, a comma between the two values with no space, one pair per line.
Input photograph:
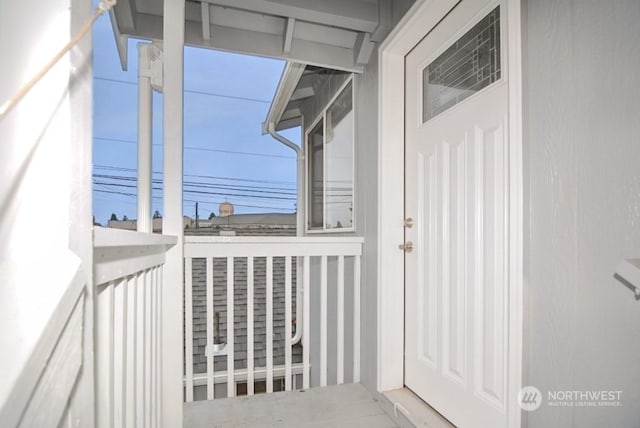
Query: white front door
[456,307]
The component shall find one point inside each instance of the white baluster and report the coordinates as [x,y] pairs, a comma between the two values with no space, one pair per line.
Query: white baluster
[340,332]
[104,356]
[250,380]
[119,352]
[287,323]
[131,350]
[306,342]
[231,383]
[356,319]
[323,321]
[269,324]
[188,310]
[210,321]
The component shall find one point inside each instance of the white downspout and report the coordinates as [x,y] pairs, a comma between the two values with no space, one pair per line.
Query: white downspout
[271,129]
[145,117]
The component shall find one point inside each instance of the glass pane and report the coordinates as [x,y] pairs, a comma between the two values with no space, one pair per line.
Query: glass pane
[467,66]
[339,154]
[316,174]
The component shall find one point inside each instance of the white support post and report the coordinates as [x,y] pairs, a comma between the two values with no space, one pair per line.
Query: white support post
[172,294]
[145,119]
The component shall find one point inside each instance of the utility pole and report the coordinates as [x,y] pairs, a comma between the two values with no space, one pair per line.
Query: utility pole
[197,218]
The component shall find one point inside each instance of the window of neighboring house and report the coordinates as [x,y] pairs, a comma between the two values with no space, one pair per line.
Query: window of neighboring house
[330,166]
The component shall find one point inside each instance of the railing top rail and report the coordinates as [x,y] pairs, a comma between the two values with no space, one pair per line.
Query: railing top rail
[244,246]
[108,238]
[120,253]
[286,240]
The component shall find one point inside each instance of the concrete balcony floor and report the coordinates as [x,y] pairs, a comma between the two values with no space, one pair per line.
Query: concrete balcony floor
[349,405]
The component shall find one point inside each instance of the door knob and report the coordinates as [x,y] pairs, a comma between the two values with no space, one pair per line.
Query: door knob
[407,247]
[408,222]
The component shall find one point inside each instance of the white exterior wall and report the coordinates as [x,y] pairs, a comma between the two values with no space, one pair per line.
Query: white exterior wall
[366,199]
[366,212]
[365,220]
[45,174]
[582,184]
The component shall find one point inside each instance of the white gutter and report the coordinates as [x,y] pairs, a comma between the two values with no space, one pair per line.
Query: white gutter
[271,129]
[288,81]
[286,86]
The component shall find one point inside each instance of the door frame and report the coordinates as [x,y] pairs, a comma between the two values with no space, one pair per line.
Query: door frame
[417,22]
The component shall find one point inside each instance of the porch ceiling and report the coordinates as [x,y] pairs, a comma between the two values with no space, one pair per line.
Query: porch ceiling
[336,34]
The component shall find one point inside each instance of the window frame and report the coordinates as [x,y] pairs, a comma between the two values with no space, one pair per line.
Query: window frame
[322,116]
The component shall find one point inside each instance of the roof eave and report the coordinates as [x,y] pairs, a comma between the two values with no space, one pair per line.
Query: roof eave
[288,81]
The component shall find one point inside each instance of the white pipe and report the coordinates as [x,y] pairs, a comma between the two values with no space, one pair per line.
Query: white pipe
[299,221]
[145,118]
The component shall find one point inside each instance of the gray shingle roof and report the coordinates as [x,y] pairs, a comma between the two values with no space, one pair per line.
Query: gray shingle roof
[240,309]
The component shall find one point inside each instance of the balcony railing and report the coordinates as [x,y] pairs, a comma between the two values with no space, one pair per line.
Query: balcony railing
[241,313]
[128,268]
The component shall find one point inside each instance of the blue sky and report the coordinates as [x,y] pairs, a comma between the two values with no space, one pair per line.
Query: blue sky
[226,158]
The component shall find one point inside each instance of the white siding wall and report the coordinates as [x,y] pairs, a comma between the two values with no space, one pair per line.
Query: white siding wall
[582,154]
[366,212]
[366,202]
[366,161]
[45,211]
[366,193]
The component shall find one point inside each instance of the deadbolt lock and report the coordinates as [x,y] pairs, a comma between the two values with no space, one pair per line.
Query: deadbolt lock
[408,222]
[406,247]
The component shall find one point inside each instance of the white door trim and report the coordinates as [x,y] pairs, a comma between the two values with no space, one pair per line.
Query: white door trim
[425,14]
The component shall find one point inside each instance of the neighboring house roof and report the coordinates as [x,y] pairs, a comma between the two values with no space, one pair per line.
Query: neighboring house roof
[269,219]
[243,224]
[156,224]
[240,313]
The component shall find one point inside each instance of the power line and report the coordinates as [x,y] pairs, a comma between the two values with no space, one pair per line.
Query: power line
[191,91]
[220,186]
[202,149]
[121,168]
[199,192]
[214,203]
